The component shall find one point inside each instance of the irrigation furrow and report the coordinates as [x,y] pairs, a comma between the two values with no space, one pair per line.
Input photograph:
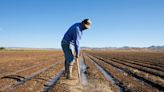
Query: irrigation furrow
[137,66]
[24,80]
[142,64]
[141,60]
[109,77]
[134,74]
[52,82]
[97,78]
[25,69]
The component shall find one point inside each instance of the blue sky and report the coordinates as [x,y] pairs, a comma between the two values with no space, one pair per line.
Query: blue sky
[116,23]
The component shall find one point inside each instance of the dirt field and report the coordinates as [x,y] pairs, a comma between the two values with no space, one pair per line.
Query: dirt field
[101,71]
[133,71]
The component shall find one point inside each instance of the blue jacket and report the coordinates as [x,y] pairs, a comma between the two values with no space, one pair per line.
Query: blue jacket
[73,35]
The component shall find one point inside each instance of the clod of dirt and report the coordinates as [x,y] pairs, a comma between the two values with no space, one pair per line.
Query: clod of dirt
[87,67]
[85,72]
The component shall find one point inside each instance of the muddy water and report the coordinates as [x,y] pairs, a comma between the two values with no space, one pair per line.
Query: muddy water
[53,81]
[84,80]
[107,76]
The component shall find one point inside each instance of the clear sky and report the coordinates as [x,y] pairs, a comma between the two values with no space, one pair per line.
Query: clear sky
[116,23]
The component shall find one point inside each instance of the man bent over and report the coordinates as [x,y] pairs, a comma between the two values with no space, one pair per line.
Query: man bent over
[72,37]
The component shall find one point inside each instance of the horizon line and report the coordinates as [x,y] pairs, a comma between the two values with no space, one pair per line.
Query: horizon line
[86,47]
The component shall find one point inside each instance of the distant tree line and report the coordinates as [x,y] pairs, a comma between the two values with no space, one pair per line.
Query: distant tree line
[2,48]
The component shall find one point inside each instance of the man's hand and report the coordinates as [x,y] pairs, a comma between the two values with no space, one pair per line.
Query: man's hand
[77,56]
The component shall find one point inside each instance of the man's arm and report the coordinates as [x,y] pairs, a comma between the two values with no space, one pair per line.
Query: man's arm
[76,38]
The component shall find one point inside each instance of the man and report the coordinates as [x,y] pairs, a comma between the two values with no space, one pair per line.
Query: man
[72,37]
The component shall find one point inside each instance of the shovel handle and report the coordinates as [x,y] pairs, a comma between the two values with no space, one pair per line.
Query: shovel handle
[78,68]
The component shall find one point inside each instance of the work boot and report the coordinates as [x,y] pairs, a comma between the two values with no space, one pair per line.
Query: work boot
[69,75]
[66,70]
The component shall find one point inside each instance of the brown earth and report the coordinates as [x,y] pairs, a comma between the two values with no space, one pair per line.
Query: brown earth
[132,71]
[132,75]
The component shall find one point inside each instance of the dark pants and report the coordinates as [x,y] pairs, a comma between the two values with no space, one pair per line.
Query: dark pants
[68,54]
